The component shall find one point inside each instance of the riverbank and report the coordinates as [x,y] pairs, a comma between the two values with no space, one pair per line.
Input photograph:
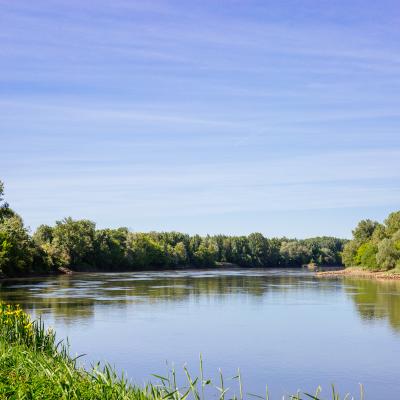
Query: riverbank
[360,273]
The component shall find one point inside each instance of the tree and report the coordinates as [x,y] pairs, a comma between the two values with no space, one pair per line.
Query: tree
[375,246]
[326,257]
[17,251]
[349,253]
[110,249]
[205,255]
[295,253]
[180,253]
[364,230]
[366,256]
[73,242]
[388,255]
[5,210]
[43,235]
[259,249]
[241,254]
[143,251]
[392,223]
[77,243]
[379,234]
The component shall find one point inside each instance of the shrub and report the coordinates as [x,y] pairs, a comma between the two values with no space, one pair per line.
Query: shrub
[366,256]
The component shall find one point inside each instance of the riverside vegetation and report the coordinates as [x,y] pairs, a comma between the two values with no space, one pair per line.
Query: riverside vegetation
[33,365]
[375,246]
[78,245]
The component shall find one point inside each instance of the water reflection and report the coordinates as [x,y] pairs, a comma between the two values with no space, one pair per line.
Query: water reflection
[70,297]
[376,300]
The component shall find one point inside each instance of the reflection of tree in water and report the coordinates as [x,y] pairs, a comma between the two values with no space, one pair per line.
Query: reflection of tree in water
[376,299]
[73,297]
[45,295]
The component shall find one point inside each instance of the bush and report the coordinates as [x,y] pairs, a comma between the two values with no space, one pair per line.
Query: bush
[366,256]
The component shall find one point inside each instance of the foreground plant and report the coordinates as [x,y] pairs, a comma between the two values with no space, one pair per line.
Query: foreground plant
[34,366]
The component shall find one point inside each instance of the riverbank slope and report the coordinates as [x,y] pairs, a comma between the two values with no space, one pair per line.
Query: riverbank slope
[357,272]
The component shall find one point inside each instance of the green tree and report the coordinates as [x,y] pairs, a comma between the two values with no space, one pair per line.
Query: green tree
[143,251]
[258,249]
[5,210]
[110,249]
[73,242]
[327,256]
[180,253]
[205,255]
[295,253]
[379,234]
[364,230]
[43,235]
[77,243]
[349,253]
[392,223]
[388,255]
[366,256]
[17,252]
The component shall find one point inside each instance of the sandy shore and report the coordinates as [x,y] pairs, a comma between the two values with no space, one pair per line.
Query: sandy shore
[360,273]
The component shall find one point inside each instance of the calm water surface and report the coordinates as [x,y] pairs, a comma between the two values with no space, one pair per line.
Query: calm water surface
[286,328]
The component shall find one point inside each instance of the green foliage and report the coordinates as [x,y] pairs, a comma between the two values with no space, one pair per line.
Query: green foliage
[392,223]
[110,249]
[143,251]
[5,210]
[74,241]
[18,254]
[76,244]
[349,253]
[388,256]
[205,255]
[366,256]
[34,366]
[180,253]
[259,249]
[375,246]
[79,246]
[16,327]
[379,233]
[364,230]
[295,252]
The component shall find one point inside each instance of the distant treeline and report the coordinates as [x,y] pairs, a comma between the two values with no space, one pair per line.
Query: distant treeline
[78,245]
[375,246]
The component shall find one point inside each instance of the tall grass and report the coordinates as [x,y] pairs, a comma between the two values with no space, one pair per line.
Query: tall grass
[16,327]
[34,366]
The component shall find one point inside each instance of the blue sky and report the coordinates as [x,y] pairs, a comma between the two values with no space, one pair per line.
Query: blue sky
[281,117]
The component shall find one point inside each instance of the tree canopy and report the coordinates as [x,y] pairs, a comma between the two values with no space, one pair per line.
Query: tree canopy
[78,245]
[375,246]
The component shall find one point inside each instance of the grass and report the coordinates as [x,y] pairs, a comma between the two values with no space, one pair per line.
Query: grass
[34,366]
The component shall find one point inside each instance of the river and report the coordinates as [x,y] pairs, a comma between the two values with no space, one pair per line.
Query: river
[285,328]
